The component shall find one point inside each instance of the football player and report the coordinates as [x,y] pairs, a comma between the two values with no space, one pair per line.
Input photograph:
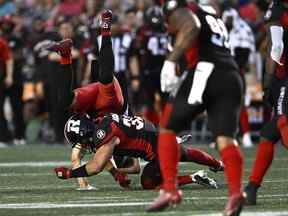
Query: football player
[277,128]
[210,82]
[121,135]
[97,98]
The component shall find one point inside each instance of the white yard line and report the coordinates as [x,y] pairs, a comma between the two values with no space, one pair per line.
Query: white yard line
[68,163]
[49,205]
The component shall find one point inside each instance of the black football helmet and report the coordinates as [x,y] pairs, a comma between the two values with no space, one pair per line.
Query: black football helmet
[80,129]
[170,5]
[154,18]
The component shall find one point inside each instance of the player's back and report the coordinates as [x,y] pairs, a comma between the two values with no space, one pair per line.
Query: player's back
[212,43]
[138,138]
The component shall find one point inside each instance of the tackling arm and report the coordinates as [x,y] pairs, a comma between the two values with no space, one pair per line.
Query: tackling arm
[93,166]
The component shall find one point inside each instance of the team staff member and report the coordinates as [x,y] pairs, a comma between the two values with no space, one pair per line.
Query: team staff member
[212,83]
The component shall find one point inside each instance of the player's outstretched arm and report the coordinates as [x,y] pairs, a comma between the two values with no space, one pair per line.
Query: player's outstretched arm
[93,166]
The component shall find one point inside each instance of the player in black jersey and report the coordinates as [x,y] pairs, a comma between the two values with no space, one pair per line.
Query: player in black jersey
[210,82]
[277,128]
[121,135]
[152,45]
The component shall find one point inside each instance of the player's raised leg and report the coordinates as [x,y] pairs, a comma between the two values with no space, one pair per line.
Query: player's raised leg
[66,77]
[106,56]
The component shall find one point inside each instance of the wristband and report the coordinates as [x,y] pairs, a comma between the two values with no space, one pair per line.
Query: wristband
[79,172]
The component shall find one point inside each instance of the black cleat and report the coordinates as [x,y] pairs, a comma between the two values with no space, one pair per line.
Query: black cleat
[250,193]
[217,169]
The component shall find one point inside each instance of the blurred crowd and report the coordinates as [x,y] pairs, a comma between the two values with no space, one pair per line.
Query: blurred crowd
[139,44]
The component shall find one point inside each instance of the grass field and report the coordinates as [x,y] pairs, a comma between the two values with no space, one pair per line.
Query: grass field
[28,186]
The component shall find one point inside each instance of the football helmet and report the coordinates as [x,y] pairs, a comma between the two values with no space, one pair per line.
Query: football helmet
[80,129]
[154,18]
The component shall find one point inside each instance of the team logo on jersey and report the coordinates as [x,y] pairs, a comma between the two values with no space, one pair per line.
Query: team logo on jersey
[100,134]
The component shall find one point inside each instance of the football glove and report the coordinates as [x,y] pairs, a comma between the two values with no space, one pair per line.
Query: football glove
[168,77]
[122,179]
[63,172]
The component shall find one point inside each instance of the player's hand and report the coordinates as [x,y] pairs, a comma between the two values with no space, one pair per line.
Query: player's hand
[122,179]
[63,172]
[168,77]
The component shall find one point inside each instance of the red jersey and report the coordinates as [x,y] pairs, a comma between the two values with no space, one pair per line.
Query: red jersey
[99,98]
[138,138]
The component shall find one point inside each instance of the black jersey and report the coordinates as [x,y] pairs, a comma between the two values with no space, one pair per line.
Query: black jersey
[152,48]
[138,138]
[212,43]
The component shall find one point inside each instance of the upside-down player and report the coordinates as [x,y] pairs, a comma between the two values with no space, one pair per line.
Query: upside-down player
[122,135]
[97,98]
[212,83]
[277,128]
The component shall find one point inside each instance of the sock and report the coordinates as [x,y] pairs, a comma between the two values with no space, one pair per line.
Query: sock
[244,120]
[183,180]
[66,60]
[282,125]
[200,157]
[152,116]
[168,152]
[233,162]
[264,157]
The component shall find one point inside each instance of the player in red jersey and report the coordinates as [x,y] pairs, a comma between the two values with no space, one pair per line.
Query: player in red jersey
[277,128]
[121,135]
[210,82]
[97,98]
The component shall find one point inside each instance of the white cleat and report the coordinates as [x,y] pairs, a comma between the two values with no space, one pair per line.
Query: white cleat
[201,178]
[87,188]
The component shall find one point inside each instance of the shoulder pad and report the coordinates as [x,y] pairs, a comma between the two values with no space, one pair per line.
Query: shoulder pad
[102,131]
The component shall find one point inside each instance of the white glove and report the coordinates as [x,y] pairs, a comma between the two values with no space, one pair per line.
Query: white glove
[168,76]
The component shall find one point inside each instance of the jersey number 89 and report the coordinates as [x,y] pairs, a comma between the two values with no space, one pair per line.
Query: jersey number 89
[220,36]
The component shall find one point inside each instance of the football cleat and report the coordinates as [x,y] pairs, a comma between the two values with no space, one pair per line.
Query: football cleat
[105,22]
[201,178]
[250,194]
[63,47]
[234,205]
[164,200]
[217,169]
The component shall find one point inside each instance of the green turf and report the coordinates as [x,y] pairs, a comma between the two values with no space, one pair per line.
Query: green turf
[30,184]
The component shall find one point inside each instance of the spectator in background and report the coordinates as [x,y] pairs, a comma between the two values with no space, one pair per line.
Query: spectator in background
[15,38]
[242,44]
[7,7]
[6,81]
